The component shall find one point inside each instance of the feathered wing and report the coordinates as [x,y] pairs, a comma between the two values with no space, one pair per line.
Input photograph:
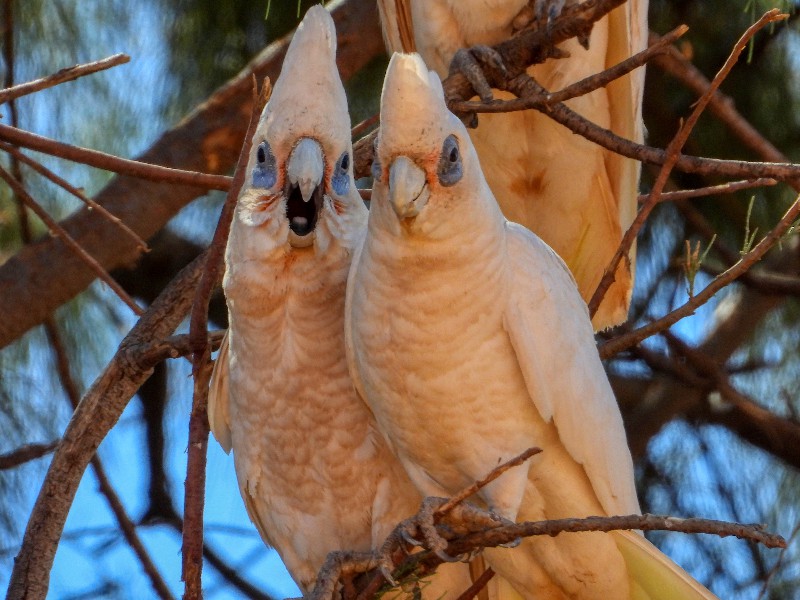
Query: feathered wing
[627,35]
[219,422]
[549,340]
[398,28]
[653,574]
[218,416]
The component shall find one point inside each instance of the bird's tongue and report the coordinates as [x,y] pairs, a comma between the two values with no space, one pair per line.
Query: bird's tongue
[302,215]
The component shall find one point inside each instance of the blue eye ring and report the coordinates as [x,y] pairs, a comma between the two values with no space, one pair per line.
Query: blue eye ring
[265,171]
[450,169]
[340,181]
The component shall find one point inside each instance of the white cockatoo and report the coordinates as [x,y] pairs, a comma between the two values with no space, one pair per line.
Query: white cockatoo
[578,197]
[467,337]
[314,473]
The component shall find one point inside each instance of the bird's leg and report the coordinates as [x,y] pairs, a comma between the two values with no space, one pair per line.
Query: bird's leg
[475,64]
[546,11]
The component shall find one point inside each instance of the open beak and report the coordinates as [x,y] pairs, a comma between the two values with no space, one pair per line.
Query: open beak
[304,191]
[408,188]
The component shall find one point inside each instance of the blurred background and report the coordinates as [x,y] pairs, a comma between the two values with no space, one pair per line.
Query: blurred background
[696,453]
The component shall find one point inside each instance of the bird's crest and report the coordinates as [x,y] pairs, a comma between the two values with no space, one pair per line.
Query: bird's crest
[413,109]
[308,98]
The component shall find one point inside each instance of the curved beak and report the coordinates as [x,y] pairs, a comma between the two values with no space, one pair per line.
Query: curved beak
[306,166]
[304,191]
[408,189]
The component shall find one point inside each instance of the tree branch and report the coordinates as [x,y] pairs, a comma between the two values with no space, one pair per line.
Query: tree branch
[97,412]
[194,498]
[672,154]
[24,454]
[62,76]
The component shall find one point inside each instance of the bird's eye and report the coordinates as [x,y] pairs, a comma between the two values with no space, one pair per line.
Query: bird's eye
[340,182]
[265,172]
[450,168]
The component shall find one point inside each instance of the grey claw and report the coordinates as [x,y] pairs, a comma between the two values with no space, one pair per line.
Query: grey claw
[489,56]
[512,543]
[387,575]
[445,556]
[464,61]
[409,539]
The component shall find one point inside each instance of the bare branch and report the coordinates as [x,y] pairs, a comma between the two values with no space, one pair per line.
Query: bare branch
[712,190]
[64,75]
[720,105]
[98,411]
[478,485]
[194,497]
[672,155]
[618,344]
[109,162]
[56,229]
[24,454]
[47,173]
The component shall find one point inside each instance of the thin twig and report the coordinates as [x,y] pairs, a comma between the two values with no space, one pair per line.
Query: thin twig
[508,533]
[720,105]
[478,485]
[62,76]
[59,231]
[24,454]
[364,126]
[194,497]
[618,344]
[579,88]
[673,153]
[47,173]
[778,562]
[108,162]
[712,190]
[480,583]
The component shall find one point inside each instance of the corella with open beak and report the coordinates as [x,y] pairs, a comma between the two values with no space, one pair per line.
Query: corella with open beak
[314,474]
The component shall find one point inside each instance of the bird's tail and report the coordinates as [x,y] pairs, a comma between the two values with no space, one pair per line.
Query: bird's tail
[653,575]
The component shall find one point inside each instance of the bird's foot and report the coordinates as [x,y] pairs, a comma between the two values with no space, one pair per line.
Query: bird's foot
[479,65]
[503,521]
[547,11]
[426,525]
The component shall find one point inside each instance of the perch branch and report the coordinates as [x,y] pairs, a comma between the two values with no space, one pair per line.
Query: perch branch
[579,88]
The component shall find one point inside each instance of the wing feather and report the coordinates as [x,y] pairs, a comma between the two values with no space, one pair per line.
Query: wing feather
[218,416]
[655,575]
[397,24]
[549,327]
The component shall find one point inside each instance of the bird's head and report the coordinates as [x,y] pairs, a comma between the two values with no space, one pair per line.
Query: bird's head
[426,170]
[299,186]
